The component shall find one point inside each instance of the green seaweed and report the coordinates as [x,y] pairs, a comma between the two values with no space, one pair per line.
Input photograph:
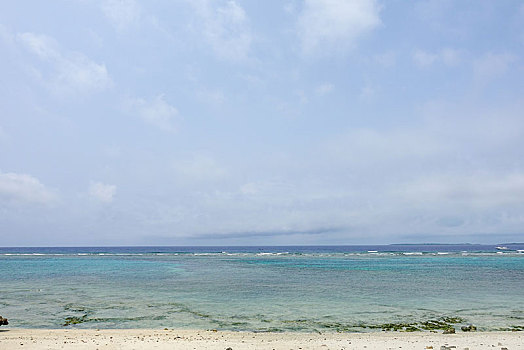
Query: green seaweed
[435,325]
[443,323]
[403,327]
[75,320]
[269,330]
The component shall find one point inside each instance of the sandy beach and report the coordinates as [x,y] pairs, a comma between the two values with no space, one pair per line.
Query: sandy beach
[194,339]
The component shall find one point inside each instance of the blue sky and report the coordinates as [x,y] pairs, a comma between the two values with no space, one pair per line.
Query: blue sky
[203,122]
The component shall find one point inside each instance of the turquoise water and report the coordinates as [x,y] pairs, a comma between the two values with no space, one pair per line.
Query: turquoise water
[261,288]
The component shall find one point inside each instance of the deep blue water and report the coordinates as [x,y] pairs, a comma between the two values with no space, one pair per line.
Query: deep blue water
[304,288]
[273,249]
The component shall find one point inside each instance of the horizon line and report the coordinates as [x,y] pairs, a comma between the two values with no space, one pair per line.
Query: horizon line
[238,245]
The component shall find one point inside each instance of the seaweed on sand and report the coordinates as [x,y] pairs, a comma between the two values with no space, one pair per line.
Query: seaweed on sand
[444,323]
[402,327]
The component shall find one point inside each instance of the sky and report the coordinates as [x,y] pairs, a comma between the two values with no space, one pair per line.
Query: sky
[276,122]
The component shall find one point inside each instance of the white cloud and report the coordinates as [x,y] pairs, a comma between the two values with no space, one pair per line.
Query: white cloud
[82,74]
[455,170]
[41,45]
[156,112]
[24,188]
[121,13]
[225,27]
[102,192]
[367,93]
[335,24]
[492,65]
[72,71]
[447,56]
[290,7]
[249,188]
[423,58]
[324,89]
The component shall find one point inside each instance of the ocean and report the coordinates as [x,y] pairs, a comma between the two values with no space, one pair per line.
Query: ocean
[299,288]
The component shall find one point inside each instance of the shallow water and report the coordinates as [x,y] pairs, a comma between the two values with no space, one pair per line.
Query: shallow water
[262,288]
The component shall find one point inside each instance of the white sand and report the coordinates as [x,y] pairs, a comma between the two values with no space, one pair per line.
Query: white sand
[193,339]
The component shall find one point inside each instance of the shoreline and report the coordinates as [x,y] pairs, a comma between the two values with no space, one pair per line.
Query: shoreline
[20,338]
